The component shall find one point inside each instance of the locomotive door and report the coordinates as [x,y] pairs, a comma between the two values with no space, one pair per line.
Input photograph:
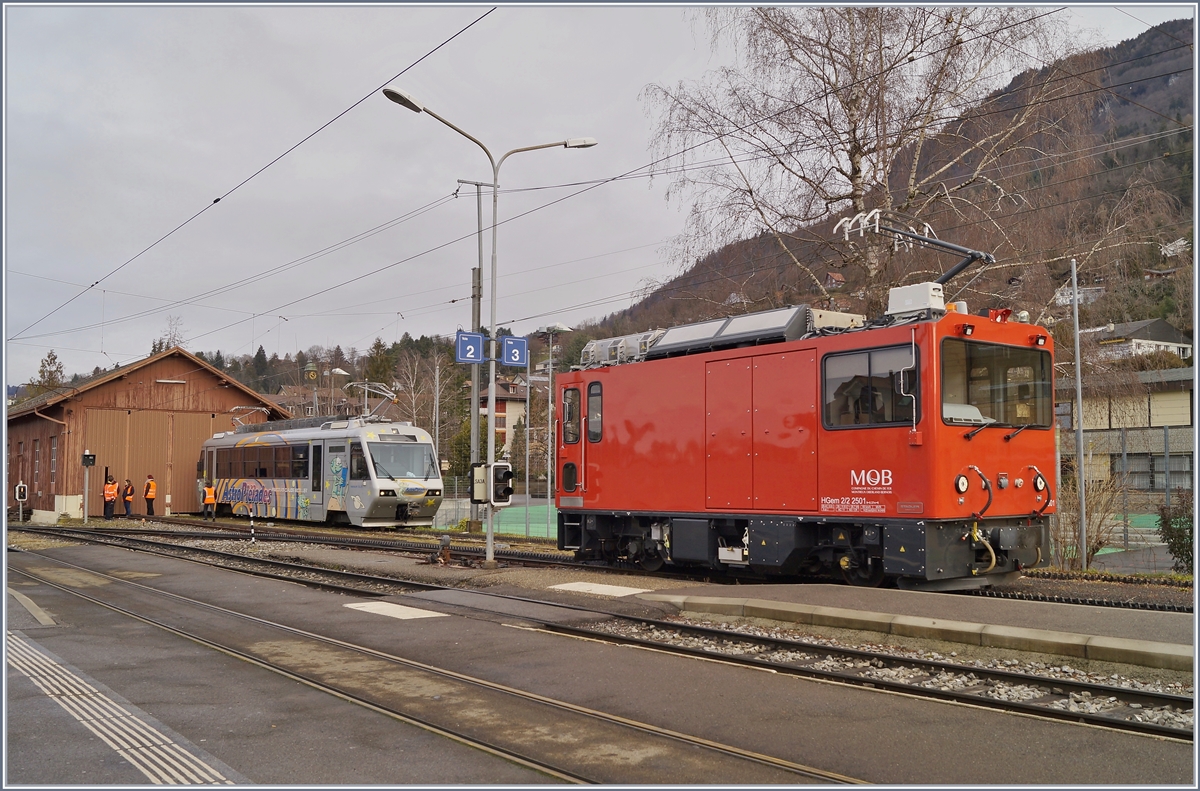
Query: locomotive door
[358,489]
[728,423]
[337,474]
[316,475]
[785,431]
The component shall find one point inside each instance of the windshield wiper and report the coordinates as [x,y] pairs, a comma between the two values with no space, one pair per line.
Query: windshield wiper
[1009,436]
[381,472]
[980,428]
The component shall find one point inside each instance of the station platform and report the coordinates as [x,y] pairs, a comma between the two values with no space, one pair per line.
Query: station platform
[1137,637]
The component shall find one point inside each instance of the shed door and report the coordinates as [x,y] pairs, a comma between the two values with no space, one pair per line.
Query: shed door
[785,431]
[728,464]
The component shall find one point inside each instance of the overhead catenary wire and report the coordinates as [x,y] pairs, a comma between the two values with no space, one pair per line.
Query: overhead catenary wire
[597,183]
[252,176]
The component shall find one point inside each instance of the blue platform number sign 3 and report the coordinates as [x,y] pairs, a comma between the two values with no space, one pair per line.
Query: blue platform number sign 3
[514,351]
[468,347]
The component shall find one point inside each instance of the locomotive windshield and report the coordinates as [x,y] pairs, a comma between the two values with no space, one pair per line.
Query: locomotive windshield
[395,460]
[986,383]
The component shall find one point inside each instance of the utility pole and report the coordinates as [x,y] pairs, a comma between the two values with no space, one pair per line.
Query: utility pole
[476,309]
[1079,470]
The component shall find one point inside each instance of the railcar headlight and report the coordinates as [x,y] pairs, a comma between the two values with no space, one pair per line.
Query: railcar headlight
[1039,483]
[434,492]
[387,492]
[961,483]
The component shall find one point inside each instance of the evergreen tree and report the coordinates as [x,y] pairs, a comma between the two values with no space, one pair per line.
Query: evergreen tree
[260,368]
[379,363]
[50,375]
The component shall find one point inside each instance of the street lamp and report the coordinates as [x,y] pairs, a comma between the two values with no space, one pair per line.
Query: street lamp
[550,441]
[405,100]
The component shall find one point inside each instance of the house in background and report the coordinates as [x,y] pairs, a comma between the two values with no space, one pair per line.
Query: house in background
[1140,337]
[150,416]
[1147,424]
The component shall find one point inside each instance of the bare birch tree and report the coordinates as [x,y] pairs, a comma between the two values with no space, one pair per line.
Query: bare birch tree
[839,110]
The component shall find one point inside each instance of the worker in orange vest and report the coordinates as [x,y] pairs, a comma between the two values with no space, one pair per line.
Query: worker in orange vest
[210,501]
[150,492]
[110,497]
[127,497]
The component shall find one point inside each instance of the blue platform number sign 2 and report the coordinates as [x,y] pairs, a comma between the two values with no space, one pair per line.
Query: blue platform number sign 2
[514,351]
[468,347]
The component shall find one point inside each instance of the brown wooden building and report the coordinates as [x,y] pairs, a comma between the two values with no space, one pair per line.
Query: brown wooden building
[149,417]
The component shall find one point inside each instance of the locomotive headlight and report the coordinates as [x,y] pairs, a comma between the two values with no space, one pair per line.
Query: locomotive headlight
[387,492]
[1039,483]
[434,493]
[961,483]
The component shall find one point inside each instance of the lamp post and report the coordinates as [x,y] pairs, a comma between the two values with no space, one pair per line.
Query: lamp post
[405,100]
[549,333]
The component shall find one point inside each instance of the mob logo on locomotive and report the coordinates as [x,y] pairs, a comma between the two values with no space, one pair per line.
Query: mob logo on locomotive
[749,456]
[870,477]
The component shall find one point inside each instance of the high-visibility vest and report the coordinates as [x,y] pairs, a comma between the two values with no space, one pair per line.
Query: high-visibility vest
[128,493]
[151,490]
[210,495]
[110,492]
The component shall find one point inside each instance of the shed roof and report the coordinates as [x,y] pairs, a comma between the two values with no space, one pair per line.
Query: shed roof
[68,391]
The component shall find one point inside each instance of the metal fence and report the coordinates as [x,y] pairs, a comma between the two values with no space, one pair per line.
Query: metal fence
[530,516]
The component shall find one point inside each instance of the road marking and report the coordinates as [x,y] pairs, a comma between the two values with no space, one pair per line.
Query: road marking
[157,757]
[37,612]
[395,610]
[598,589]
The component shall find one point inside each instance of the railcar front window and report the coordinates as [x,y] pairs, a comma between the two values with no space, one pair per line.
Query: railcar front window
[986,383]
[394,460]
[570,424]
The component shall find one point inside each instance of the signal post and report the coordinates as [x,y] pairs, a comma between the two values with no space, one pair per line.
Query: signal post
[491,481]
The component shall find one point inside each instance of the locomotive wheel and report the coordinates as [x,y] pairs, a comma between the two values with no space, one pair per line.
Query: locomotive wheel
[651,562]
[862,575]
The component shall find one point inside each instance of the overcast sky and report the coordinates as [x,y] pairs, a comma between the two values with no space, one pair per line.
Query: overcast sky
[121,123]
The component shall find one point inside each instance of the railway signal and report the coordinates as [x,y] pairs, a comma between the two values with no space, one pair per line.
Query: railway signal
[502,489]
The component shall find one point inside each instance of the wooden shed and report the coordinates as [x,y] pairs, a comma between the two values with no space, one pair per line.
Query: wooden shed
[148,417]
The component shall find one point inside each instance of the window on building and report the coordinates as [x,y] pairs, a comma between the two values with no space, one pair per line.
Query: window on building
[501,421]
[1148,472]
[309,411]
[53,462]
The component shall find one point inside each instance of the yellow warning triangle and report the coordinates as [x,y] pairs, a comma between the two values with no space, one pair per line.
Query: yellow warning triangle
[841,537]
[901,549]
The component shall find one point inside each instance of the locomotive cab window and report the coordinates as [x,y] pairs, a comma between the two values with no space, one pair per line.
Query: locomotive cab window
[595,428]
[570,418]
[358,463]
[986,383]
[871,388]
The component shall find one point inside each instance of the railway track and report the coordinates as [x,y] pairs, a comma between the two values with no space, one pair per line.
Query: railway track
[524,557]
[516,724]
[1123,708]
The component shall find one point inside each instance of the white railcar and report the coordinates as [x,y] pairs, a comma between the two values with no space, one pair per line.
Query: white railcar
[361,471]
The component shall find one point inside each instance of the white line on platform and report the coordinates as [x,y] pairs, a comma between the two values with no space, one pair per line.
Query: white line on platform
[395,610]
[162,761]
[599,590]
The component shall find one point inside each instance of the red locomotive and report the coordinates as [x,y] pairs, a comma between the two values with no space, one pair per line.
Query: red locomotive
[917,448]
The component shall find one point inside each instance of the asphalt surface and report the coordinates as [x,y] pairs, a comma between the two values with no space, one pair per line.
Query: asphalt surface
[259,727]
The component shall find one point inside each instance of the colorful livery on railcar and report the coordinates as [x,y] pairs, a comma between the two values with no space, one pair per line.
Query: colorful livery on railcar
[917,448]
[360,471]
